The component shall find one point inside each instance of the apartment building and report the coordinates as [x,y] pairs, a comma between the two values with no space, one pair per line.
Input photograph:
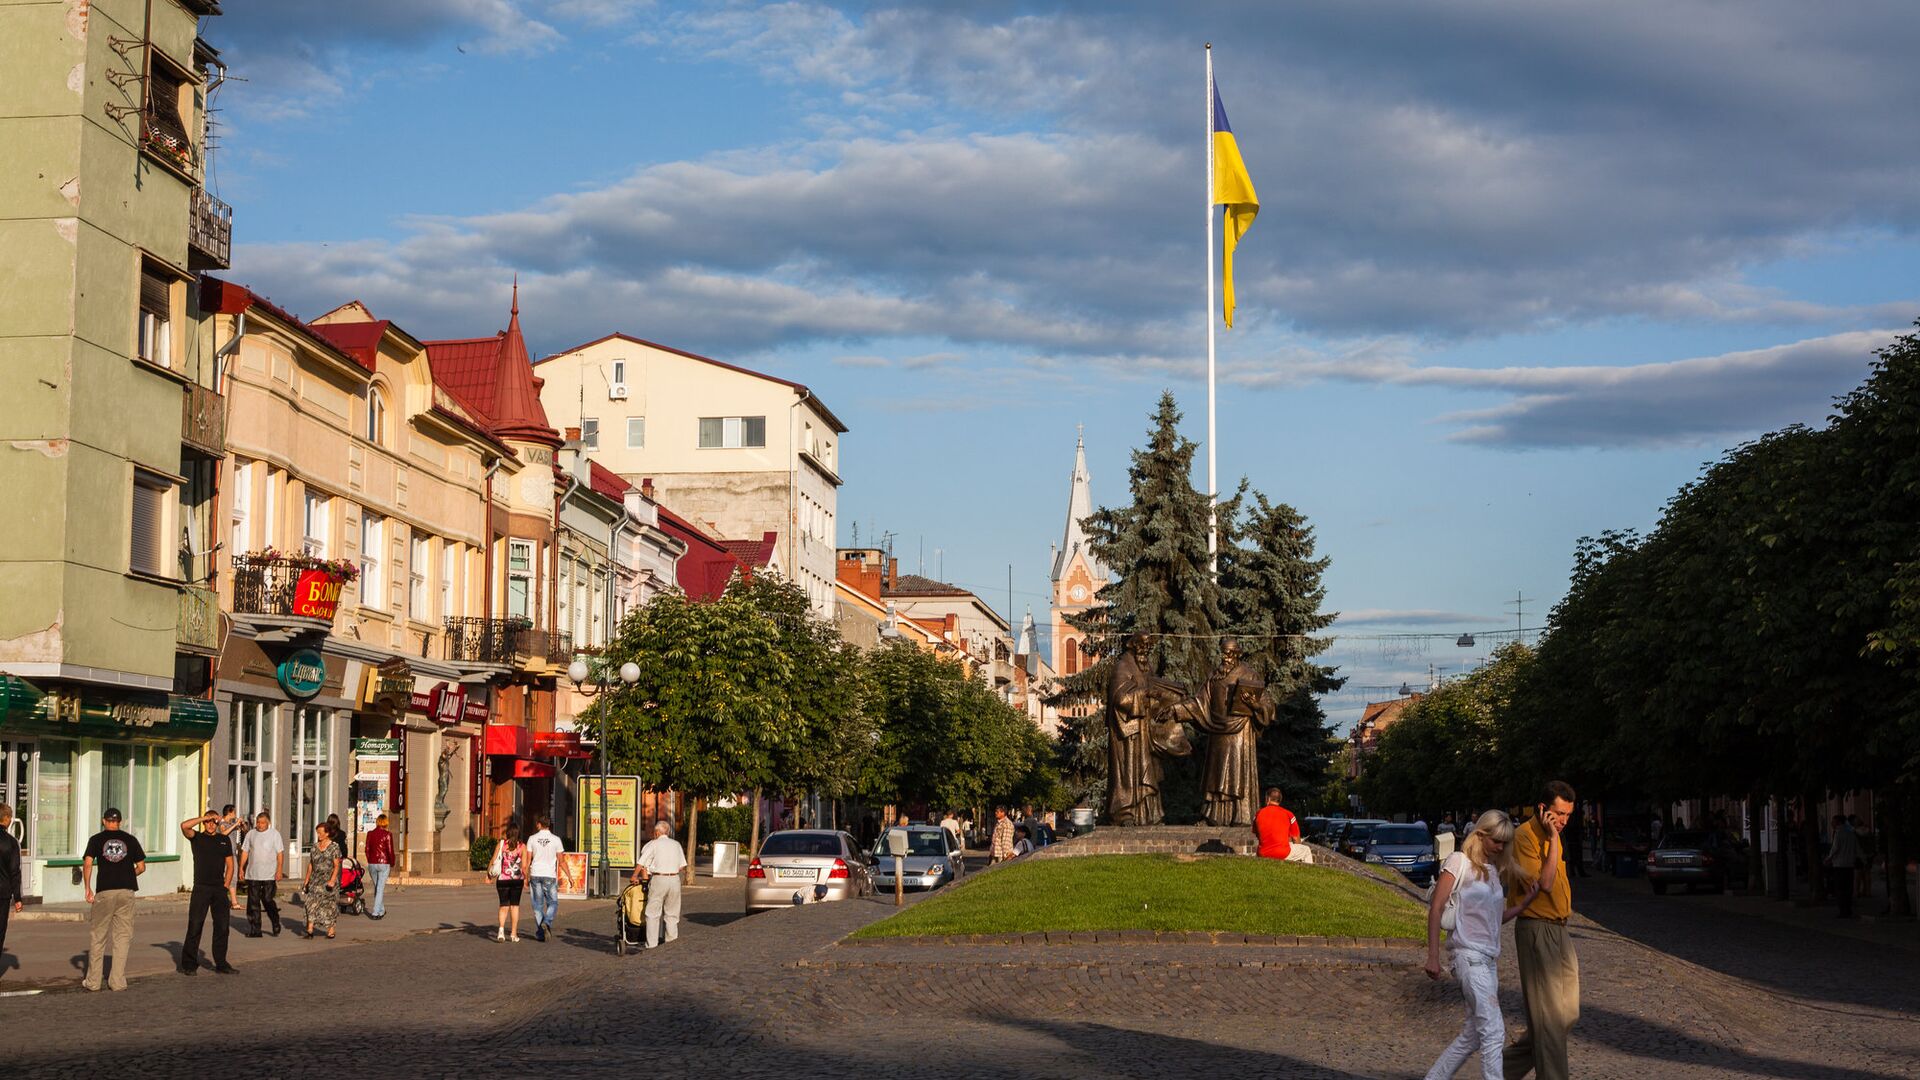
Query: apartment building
[738,452]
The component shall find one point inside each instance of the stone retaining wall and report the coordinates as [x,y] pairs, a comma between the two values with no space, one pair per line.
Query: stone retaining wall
[1154,840]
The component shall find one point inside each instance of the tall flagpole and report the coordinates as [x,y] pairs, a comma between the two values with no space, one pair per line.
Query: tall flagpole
[1213,511]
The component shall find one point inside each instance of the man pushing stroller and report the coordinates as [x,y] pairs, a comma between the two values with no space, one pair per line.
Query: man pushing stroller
[661,863]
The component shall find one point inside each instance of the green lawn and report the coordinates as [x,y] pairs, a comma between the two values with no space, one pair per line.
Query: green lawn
[1162,892]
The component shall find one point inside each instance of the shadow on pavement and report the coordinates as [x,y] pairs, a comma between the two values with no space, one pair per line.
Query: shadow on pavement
[1629,1035]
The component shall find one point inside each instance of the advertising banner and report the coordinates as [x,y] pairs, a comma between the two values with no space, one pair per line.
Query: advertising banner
[573,875]
[316,595]
[623,815]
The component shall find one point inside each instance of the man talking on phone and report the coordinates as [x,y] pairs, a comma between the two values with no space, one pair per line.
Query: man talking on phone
[1549,970]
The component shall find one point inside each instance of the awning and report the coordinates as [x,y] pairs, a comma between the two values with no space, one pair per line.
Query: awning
[524,769]
[509,740]
[100,712]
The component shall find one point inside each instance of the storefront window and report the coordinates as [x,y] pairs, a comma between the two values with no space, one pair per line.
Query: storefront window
[312,775]
[250,760]
[116,781]
[53,799]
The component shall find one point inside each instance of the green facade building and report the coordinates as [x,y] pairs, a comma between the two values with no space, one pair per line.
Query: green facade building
[111,425]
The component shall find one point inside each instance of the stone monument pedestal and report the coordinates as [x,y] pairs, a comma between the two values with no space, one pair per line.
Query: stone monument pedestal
[1154,840]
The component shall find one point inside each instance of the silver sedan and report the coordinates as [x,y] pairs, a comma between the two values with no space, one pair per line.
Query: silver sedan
[932,860]
[804,866]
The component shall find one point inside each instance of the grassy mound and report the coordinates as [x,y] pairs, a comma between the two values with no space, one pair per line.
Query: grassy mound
[1162,892]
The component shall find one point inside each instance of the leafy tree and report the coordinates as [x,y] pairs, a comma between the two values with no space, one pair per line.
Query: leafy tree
[946,739]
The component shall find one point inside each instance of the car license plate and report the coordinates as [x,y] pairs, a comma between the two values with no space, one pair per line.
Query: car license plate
[793,873]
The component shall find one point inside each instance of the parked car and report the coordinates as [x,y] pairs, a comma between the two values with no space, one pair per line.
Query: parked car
[932,860]
[1406,848]
[812,864]
[1312,827]
[1696,858]
[1353,842]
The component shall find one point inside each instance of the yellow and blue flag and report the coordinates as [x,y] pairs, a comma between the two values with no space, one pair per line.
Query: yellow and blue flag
[1232,188]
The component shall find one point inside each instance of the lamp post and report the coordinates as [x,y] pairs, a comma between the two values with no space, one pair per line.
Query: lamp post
[580,674]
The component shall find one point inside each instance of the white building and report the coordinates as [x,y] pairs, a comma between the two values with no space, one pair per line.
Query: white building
[736,451]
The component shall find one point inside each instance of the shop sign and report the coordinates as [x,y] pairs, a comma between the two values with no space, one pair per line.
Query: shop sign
[477,790]
[316,595]
[446,703]
[389,687]
[377,749]
[559,744]
[302,673]
[623,815]
[135,714]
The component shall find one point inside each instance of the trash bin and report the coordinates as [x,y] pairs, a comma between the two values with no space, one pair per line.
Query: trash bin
[1082,820]
[726,858]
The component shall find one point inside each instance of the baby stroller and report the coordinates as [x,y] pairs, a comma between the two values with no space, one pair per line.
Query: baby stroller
[353,888]
[630,919]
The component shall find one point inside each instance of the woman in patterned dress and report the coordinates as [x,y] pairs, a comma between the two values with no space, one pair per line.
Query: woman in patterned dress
[509,871]
[322,888]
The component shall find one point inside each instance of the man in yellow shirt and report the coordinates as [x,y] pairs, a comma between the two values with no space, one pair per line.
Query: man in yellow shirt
[1549,970]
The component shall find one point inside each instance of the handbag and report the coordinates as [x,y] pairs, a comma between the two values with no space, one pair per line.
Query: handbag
[1450,915]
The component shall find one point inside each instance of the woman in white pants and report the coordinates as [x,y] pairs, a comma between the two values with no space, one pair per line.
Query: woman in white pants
[1478,878]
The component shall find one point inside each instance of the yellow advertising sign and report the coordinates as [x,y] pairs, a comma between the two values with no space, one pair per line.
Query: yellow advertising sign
[623,814]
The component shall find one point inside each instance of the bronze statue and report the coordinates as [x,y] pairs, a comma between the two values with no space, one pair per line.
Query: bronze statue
[1140,729]
[1235,708]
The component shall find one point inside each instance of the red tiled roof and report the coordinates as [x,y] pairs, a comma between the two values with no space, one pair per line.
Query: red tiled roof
[607,482]
[805,393]
[229,298]
[755,553]
[703,572]
[915,585]
[493,377]
[360,340]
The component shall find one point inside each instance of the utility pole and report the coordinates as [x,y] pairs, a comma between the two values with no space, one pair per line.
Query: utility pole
[1519,603]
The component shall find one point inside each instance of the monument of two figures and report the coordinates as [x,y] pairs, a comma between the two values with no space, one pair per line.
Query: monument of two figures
[1147,718]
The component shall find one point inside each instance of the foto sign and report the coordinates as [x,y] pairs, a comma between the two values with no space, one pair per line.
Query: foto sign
[302,673]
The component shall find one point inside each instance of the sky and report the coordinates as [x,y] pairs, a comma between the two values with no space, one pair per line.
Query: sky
[1521,267]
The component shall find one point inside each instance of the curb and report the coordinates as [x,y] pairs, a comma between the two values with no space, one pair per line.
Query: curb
[1135,937]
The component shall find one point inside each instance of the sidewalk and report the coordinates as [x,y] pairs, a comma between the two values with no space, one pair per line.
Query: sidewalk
[50,951]
[1797,913]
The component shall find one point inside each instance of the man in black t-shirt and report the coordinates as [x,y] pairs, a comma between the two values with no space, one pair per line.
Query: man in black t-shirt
[110,872]
[212,869]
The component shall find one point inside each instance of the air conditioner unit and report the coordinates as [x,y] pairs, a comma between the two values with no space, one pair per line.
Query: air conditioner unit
[617,392]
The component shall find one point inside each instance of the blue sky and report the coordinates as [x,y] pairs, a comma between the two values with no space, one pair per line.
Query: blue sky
[1521,267]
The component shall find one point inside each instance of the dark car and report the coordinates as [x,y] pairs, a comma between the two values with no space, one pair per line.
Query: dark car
[1312,827]
[1696,858]
[1406,848]
[1353,842]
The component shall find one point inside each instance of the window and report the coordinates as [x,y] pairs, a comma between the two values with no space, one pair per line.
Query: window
[250,757]
[376,418]
[417,580]
[448,553]
[636,432]
[53,798]
[1073,657]
[619,373]
[314,524]
[270,509]
[520,578]
[194,521]
[242,508]
[156,318]
[563,594]
[582,608]
[311,776]
[733,431]
[148,548]
[589,433]
[372,530]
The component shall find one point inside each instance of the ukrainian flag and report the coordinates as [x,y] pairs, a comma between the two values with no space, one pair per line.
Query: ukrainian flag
[1232,188]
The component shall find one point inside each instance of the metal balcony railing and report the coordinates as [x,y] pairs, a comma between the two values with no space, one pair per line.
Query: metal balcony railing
[287,586]
[210,228]
[488,641]
[560,647]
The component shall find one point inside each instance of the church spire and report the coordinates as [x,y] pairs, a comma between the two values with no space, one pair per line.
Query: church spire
[1079,506]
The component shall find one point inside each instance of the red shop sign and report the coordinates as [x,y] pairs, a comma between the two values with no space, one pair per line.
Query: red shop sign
[316,595]
[446,703]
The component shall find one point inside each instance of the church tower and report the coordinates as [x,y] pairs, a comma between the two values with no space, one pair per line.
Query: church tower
[1077,574]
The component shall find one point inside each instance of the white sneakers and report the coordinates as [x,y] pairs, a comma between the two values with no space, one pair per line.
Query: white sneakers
[500,934]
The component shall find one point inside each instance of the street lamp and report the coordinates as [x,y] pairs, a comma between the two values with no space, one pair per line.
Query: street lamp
[580,673]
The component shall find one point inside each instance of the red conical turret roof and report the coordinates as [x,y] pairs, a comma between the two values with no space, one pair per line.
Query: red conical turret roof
[494,377]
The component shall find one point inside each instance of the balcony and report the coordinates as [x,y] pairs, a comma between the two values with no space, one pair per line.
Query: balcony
[164,137]
[203,420]
[287,595]
[502,642]
[210,229]
[560,647]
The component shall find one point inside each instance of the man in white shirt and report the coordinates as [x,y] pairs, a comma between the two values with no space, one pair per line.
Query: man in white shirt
[952,825]
[263,861]
[543,874]
[661,863]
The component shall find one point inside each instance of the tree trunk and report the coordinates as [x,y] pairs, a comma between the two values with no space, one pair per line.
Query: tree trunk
[1756,870]
[1778,887]
[693,836]
[1893,848]
[1810,847]
[753,831]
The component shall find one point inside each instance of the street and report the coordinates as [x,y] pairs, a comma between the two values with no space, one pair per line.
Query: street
[764,995]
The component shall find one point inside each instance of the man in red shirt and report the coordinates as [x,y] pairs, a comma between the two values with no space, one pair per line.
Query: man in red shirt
[379,865]
[1275,828]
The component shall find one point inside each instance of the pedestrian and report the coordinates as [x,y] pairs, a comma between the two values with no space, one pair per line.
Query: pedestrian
[339,831]
[379,865]
[1570,845]
[234,828]
[1477,881]
[509,873]
[263,862]
[10,879]
[1275,828]
[1863,872]
[966,830]
[1549,967]
[1843,857]
[1001,848]
[660,865]
[904,821]
[110,873]
[951,823]
[1022,841]
[212,846]
[1656,830]
[543,873]
[320,895]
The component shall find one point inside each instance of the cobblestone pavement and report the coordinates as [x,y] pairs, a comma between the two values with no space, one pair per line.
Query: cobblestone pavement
[775,995]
